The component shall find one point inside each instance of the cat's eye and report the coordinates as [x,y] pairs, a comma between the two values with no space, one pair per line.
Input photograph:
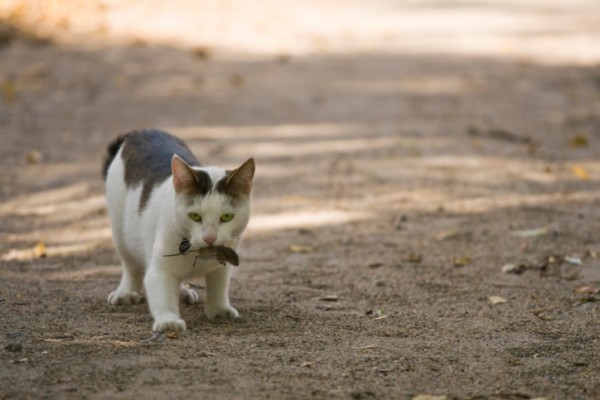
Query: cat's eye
[226,217]
[195,217]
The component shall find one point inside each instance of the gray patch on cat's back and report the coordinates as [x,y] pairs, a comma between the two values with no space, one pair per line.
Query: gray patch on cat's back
[147,157]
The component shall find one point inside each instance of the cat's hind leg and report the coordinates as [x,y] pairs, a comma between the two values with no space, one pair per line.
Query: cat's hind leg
[129,290]
[188,295]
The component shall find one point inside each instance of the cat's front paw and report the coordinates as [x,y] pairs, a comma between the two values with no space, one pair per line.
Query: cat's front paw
[169,324]
[119,298]
[223,311]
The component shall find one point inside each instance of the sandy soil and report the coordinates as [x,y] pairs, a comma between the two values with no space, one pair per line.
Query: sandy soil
[406,152]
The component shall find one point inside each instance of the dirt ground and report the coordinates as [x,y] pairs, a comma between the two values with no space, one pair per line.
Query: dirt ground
[425,214]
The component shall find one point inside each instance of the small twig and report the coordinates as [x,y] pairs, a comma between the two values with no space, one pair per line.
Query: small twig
[508,286]
[542,310]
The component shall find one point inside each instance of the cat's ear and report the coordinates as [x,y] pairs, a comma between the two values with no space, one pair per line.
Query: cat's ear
[184,178]
[239,181]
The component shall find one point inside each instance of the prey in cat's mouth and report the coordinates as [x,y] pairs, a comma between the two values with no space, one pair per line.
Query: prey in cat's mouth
[222,254]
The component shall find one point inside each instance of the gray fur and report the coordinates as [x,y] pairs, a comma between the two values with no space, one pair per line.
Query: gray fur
[147,157]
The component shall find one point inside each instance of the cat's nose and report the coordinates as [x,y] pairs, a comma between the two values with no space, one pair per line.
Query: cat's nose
[209,239]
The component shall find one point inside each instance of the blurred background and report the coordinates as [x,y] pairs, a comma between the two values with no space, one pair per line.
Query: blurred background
[448,100]
[533,30]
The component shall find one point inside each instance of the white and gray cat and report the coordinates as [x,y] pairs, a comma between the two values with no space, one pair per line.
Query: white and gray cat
[164,207]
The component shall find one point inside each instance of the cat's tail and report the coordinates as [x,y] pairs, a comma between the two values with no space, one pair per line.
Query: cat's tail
[111,152]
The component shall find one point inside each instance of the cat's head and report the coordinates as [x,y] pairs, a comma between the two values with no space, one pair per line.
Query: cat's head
[212,205]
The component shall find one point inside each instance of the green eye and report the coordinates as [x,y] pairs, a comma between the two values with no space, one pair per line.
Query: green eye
[195,217]
[226,217]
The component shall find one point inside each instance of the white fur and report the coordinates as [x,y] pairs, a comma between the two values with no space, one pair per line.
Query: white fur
[143,240]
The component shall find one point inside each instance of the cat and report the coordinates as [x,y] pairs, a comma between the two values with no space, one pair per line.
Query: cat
[164,207]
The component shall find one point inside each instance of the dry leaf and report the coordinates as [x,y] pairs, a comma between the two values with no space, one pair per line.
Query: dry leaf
[579,140]
[297,248]
[283,58]
[8,91]
[34,157]
[306,364]
[523,246]
[203,53]
[412,257]
[451,234]
[40,250]
[590,254]
[587,290]
[172,335]
[573,260]
[429,397]
[236,80]
[580,172]
[497,300]
[511,268]
[461,261]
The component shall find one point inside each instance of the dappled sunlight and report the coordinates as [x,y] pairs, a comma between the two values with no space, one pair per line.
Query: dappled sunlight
[516,201]
[299,141]
[86,273]
[429,200]
[275,149]
[43,202]
[261,223]
[265,132]
[70,231]
[496,171]
[50,251]
[93,341]
[64,221]
[425,85]
[55,212]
